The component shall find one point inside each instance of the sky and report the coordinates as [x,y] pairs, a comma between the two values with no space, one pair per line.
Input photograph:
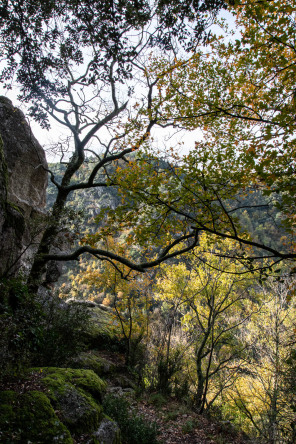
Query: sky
[49,137]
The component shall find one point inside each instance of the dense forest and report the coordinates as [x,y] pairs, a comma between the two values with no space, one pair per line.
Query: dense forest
[152,300]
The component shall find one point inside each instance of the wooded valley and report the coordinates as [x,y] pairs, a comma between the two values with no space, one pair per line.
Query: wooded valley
[147,267]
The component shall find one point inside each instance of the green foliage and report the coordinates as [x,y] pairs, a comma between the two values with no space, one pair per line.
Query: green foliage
[167,369]
[210,299]
[62,331]
[117,408]
[35,331]
[108,33]
[262,397]
[171,416]
[181,388]
[157,399]
[21,324]
[128,299]
[134,429]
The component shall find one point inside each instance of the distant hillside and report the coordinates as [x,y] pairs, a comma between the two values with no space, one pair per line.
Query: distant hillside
[263,224]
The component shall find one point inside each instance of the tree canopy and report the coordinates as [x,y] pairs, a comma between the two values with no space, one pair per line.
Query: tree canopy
[239,92]
[111,74]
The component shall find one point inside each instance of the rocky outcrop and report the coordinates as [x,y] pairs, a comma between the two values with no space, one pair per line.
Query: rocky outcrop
[56,405]
[23,182]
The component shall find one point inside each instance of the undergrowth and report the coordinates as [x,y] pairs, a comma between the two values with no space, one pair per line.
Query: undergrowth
[36,331]
[134,428]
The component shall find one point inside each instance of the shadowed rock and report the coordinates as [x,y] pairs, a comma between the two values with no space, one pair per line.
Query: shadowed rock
[23,185]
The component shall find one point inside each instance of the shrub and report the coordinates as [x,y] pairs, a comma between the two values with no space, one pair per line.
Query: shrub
[172,416]
[134,429]
[36,332]
[157,399]
[63,331]
[166,369]
[188,426]
[181,389]
[21,319]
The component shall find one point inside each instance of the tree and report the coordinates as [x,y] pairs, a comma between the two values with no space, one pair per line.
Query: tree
[129,299]
[240,94]
[84,65]
[261,394]
[214,304]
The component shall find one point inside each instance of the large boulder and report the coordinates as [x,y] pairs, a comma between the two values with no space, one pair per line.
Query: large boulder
[56,405]
[23,182]
[93,360]
[30,417]
[77,395]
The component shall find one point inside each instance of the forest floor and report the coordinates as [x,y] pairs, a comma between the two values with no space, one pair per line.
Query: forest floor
[176,422]
[176,427]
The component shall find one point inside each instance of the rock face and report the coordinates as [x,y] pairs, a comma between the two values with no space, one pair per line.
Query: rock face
[23,182]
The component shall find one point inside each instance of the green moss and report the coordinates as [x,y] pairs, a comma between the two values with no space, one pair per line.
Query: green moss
[58,378]
[69,403]
[74,393]
[93,361]
[29,417]
[39,419]
[15,207]
[89,382]
[102,332]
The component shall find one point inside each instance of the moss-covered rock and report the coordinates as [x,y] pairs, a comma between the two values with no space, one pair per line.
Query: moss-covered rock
[78,411]
[56,379]
[76,395]
[30,417]
[101,331]
[68,404]
[92,360]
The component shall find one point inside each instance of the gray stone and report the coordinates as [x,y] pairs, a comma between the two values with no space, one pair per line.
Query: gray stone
[23,185]
[108,432]
[25,158]
[92,360]
[105,308]
[84,302]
